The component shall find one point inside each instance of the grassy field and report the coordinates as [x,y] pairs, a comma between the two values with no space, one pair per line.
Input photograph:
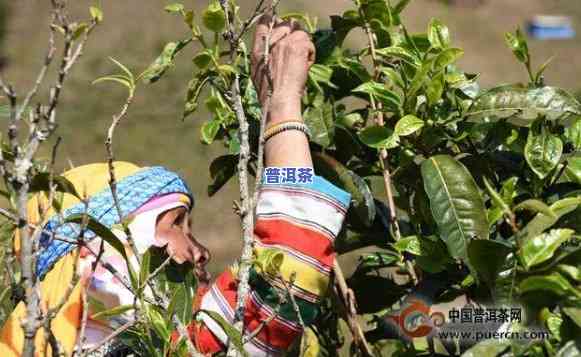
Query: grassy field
[134,31]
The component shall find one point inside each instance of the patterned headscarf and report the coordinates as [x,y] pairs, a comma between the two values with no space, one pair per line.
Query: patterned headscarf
[143,194]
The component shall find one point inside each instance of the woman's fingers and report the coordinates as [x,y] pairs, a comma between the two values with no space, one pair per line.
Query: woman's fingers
[291,54]
[280,30]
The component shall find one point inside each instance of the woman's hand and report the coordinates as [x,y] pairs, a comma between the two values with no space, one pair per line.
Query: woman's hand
[292,53]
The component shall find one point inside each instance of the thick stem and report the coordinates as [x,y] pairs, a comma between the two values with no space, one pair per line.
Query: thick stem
[245,214]
[246,203]
[31,297]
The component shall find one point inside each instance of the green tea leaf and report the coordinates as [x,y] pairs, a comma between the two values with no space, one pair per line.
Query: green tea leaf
[374,293]
[375,136]
[393,76]
[431,253]
[401,5]
[209,131]
[361,196]
[572,172]
[435,256]
[113,312]
[158,323]
[321,74]
[190,21]
[203,59]
[163,62]
[435,89]
[99,229]
[389,347]
[488,348]
[234,335]
[269,261]
[570,349]
[390,99]
[535,206]
[409,244]
[487,257]
[573,134]
[221,171]
[41,183]
[123,68]
[377,13]
[96,14]
[456,204]
[438,34]
[420,77]
[521,106]
[570,271]
[175,7]
[79,29]
[376,261]
[518,45]
[325,44]
[543,152]
[124,81]
[401,53]
[542,247]
[542,69]
[541,222]
[183,295]
[195,87]
[447,57]
[408,125]
[554,283]
[574,314]
[496,198]
[213,17]
[319,119]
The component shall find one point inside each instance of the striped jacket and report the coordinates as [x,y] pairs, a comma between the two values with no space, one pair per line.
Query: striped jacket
[301,221]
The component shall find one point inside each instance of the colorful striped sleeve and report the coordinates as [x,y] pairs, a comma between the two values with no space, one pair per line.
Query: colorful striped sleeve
[300,221]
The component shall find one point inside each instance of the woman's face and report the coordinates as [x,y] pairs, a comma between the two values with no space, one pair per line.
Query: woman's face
[173,229]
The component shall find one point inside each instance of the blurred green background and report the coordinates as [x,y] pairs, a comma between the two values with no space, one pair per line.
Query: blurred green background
[134,32]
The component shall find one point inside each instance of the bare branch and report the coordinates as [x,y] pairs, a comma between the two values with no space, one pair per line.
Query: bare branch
[110,162]
[40,78]
[347,297]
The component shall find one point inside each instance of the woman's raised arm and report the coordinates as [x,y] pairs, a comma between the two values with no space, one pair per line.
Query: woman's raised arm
[292,53]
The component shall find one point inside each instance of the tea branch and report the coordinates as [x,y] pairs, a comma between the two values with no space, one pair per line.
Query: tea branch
[383,154]
[111,167]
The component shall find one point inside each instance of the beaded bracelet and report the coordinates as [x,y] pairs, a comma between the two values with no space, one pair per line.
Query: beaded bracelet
[284,126]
